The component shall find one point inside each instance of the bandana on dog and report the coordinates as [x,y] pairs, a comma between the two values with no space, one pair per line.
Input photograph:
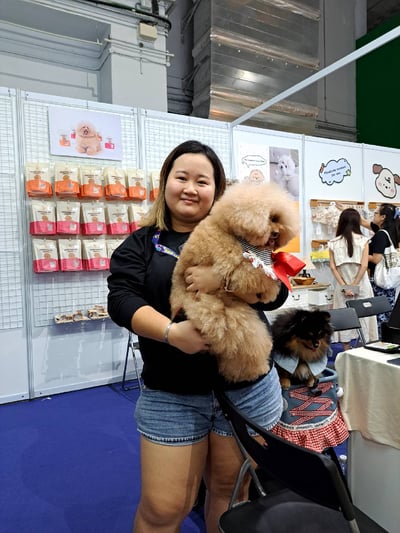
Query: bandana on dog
[278,265]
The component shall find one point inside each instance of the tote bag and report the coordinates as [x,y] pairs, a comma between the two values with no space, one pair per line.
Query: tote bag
[387,271]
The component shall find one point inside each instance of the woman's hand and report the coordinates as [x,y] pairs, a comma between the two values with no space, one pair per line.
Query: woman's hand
[185,337]
[203,279]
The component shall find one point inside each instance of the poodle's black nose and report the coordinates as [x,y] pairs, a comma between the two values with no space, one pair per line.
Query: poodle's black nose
[274,234]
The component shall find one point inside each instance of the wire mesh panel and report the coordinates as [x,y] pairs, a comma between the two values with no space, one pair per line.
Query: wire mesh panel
[163,133]
[66,293]
[11,288]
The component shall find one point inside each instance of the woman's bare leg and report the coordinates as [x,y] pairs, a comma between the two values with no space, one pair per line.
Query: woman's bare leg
[171,477]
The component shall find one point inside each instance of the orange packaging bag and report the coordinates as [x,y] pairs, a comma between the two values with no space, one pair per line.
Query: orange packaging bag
[38,180]
[136,184]
[66,179]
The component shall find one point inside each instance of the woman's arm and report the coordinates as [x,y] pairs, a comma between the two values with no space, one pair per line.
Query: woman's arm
[334,269]
[363,265]
[147,322]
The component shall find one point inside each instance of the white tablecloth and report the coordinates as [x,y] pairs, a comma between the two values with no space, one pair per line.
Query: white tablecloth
[371,400]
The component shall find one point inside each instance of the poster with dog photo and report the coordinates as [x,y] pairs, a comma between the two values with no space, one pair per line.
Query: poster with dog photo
[88,134]
[262,163]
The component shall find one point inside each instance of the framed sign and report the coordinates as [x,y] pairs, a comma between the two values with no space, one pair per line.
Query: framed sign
[81,133]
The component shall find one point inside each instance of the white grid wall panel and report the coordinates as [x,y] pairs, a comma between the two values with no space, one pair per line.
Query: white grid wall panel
[67,292]
[163,133]
[11,288]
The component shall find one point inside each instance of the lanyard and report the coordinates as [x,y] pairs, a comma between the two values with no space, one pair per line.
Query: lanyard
[160,247]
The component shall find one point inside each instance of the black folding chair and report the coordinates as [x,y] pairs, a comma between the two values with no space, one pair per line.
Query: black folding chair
[131,347]
[369,307]
[346,318]
[315,497]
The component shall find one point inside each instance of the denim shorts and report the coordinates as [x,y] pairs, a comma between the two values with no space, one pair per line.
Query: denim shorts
[178,420]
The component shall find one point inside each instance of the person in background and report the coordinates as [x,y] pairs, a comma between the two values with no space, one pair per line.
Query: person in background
[386,216]
[184,435]
[348,260]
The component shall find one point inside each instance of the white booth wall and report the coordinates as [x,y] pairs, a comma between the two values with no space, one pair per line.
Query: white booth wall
[39,357]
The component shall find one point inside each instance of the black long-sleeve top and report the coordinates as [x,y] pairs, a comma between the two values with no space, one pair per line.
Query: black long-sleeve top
[141,276]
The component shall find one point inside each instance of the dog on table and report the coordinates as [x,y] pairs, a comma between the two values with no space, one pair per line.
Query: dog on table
[87,139]
[236,239]
[301,343]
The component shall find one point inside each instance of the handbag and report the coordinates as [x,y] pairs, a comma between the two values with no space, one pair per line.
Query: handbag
[387,271]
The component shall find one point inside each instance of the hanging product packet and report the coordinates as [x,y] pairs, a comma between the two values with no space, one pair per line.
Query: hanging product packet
[66,179]
[91,179]
[117,220]
[70,252]
[115,184]
[68,217]
[154,184]
[112,244]
[42,218]
[45,256]
[135,215]
[95,254]
[38,180]
[136,184]
[93,218]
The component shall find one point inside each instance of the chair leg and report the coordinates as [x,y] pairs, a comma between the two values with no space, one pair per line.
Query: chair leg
[130,347]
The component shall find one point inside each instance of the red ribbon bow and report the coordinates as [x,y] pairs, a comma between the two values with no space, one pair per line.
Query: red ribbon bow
[285,265]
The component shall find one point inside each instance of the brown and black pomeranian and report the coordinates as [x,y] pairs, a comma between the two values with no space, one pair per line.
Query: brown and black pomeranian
[301,343]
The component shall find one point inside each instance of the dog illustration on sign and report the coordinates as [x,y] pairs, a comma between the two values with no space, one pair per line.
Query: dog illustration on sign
[386,181]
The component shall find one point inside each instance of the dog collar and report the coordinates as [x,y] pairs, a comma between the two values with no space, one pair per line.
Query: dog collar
[290,362]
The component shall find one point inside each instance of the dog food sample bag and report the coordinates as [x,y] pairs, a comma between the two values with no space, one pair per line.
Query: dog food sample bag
[95,254]
[154,184]
[115,184]
[70,253]
[43,218]
[91,179]
[117,219]
[66,179]
[93,218]
[136,184]
[135,215]
[45,256]
[38,180]
[68,217]
[112,244]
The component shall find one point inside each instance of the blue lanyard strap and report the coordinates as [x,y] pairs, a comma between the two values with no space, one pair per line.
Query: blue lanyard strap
[160,247]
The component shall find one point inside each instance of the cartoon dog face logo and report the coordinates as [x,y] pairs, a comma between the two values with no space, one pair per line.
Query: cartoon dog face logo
[386,181]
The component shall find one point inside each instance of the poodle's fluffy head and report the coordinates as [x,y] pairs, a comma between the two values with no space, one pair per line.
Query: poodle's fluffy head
[86,130]
[303,333]
[286,165]
[263,214]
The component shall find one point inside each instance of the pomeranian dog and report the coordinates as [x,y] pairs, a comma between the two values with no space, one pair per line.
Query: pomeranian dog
[249,219]
[301,343]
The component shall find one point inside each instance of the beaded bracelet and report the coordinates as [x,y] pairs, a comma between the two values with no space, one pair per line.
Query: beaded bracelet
[166,332]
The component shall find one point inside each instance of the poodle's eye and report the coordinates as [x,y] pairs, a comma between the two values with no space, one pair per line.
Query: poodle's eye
[274,218]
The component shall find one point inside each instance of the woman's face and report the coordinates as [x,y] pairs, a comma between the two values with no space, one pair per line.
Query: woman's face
[190,190]
[378,218]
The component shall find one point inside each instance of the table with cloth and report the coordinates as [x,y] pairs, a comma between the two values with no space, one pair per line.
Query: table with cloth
[371,408]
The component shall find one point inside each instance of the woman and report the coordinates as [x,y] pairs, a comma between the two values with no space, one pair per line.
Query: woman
[348,260]
[184,436]
[386,217]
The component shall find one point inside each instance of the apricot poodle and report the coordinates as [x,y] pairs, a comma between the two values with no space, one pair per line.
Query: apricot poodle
[236,239]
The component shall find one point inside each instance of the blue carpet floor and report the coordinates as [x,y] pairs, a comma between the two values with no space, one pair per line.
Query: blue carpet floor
[70,463]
